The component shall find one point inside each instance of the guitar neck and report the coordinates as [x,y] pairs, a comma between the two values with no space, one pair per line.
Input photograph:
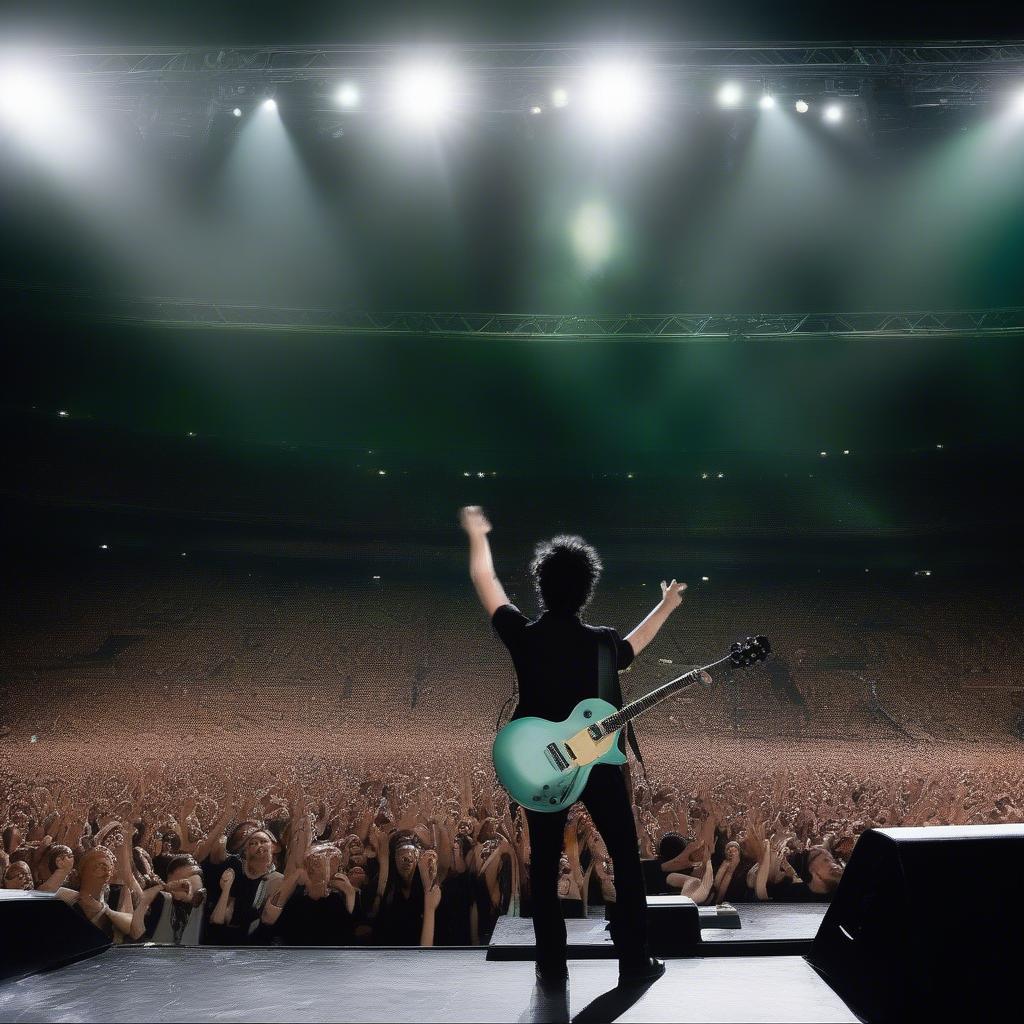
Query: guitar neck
[648,701]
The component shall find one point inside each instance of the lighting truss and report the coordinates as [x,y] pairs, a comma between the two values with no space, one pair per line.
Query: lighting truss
[1007,322]
[291,63]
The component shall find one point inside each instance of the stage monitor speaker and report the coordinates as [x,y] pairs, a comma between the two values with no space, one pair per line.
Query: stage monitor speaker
[673,925]
[926,923]
[38,931]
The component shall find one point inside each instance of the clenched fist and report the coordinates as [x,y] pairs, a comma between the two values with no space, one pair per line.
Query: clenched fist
[473,520]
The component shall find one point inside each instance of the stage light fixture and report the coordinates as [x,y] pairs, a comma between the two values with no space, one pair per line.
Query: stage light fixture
[237,111]
[424,93]
[535,110]
[766,102]
[833,113]
[729,95]
[801,106]
[348,95]
[614,93]
[559,98]
[269,104]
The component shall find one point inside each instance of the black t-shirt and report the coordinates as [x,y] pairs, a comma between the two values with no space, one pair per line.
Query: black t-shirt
[788,891]
[556,659]
[323,922]
[400,918]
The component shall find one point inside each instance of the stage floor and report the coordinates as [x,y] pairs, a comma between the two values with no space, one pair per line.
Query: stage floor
[209,984]
[766,929]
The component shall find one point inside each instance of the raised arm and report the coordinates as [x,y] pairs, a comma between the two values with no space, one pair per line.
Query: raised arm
[646,631]
[481,566]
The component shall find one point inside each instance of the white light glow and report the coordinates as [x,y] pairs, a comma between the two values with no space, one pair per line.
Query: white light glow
[535,110]
[270,104]
[28,97]
[615,93]
[425,94]
[766,102]
[833,113]
[730,95]
[593,234]
[237,111]
[801,106]
[348,95]
[559,98]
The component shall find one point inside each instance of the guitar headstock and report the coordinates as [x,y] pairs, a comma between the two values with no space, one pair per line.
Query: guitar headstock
[744,653]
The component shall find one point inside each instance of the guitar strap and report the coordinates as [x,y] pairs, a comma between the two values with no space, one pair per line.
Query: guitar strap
[608,689]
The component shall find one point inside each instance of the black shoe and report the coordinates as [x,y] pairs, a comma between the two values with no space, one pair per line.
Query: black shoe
[649,970]
[552,976]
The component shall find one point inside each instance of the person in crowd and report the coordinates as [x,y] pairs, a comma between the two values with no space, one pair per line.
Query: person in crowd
[18,876]
[408,895]
[176,917]
[315,905]
[246,884]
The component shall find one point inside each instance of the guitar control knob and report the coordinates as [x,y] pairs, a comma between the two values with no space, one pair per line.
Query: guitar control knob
[588,714]
[538,798]
[546,786]
[552,801]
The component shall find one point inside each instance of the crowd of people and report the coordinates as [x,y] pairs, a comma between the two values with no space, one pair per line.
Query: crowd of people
[322,856]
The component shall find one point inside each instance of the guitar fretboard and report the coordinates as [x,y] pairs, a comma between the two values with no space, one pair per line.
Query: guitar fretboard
[645,703]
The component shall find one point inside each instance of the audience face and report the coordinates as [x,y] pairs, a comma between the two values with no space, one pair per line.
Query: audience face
[823,868]
[407,857]
[357,876]
[96,870]
[321,864]
[18,876]
[356,852]
[259,852]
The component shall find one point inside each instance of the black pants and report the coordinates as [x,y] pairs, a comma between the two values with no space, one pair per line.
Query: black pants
[608,802]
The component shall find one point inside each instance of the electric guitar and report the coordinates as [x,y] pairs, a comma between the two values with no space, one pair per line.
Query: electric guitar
[545,765]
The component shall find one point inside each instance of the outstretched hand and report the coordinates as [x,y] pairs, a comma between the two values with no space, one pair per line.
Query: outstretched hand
[672,593]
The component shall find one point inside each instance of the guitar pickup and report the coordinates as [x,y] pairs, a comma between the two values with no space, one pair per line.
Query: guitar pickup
[557,757]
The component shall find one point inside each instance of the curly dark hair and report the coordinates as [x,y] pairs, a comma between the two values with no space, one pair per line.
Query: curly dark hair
[565,571]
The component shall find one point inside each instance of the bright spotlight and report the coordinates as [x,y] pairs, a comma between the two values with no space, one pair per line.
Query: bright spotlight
[237,111]
[614,93]
[833,113]
[535,110]
[348,96]
[730,95]
[559,98]
[269,104]
[425,93]
[801,106]
[766,102]
[27,97]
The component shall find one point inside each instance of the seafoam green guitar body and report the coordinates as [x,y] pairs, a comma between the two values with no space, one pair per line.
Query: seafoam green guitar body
[545,765]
